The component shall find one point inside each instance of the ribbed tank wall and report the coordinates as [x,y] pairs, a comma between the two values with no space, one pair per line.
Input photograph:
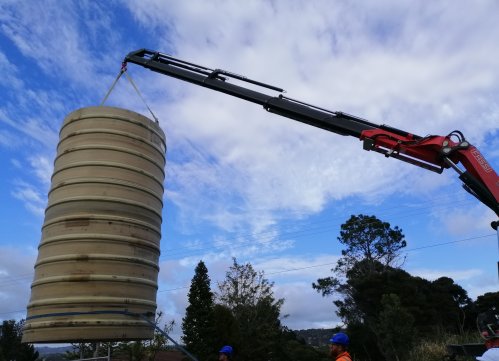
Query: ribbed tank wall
[99,251]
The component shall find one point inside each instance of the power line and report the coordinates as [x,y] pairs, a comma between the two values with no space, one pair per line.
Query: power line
[321,265]
[450,242]
[307,267]
[12,312]
[173,289]
[333,263]
[407,251]
[330,224]
[186,251]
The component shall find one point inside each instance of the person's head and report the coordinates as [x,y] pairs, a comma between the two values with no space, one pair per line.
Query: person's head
[338,344]
[225,353]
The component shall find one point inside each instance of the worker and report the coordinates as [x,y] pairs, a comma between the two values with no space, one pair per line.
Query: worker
[338,345]
[225,353]
[488,324]
[492,345]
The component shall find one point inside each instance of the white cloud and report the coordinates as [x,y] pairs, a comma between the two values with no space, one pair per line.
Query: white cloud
[42,167]
[36,129]
[16,274]
[426,69]
[475,281]
[293,277]
[483,284]
[368,60]
[33,200]
[59,35]
[9,71]
[299,298]
[456,275]
[391,63]
[464,221]
[16,163]
[6,140]
[301,267]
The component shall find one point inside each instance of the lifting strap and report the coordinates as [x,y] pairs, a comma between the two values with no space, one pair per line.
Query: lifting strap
[123,70]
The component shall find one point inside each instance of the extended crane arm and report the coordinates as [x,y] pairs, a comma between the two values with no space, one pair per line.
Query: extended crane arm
[431,152]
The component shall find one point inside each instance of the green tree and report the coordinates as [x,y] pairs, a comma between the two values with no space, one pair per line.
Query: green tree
[11,347]
[369,240]
[371,246]
[81,350]
[487,302]
[485,312]
[148,349]
[372,250]
[371,292]
[394,329]
[454,307]
[434,307]
[159,341]
[89,349]
[225,327]
[132,351]
[250,298]
[294,348]
[197,325]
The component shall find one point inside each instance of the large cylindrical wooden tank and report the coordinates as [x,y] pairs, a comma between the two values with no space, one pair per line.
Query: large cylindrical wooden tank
[99,251]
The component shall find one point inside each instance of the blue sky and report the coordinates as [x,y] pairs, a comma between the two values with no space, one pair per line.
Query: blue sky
[244,183]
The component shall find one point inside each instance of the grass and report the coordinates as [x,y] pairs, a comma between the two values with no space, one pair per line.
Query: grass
[435,350]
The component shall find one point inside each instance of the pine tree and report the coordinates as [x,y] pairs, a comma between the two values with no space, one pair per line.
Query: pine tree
[198,321]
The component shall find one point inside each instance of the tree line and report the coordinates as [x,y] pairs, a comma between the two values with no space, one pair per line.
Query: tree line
[245,314]
[389,314]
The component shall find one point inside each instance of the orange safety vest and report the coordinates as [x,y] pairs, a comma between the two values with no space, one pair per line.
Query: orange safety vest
[344,356]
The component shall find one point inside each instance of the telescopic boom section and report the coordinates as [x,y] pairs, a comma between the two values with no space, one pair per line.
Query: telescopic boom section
[431,152]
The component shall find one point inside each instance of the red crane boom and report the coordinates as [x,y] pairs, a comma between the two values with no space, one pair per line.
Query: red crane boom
[432,152]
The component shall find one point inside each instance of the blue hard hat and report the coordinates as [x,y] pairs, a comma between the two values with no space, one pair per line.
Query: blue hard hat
[340,339]
[226,350]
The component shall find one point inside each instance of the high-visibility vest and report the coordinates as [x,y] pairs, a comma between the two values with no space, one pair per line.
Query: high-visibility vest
[344,356]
